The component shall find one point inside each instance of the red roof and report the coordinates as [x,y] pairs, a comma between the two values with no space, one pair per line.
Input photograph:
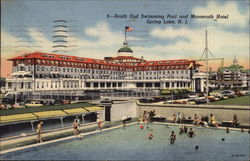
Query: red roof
[123,57]
[40,55]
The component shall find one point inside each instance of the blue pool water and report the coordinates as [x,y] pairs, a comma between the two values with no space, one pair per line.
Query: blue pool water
[132,143]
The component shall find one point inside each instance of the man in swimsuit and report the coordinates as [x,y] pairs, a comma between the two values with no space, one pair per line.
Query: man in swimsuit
[75,127]
[181,131]
[185,129]
[100,125]
[191,133]
[196,119]
[172,137]
[150,136]
[39,131]
[123,123]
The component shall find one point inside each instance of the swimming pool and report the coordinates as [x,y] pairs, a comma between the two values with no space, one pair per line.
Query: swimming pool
[132,143]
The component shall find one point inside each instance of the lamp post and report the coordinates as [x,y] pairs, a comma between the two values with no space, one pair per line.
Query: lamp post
[171,89]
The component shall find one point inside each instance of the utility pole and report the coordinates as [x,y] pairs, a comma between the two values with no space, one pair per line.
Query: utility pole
[206,52]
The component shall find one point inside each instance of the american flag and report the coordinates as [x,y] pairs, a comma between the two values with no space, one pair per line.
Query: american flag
[128,29]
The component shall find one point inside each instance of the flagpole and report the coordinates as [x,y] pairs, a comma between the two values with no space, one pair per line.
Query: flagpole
[125,34]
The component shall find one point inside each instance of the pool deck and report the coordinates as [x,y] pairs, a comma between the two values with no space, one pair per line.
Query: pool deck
[66,134]
[202,106]
[30,141]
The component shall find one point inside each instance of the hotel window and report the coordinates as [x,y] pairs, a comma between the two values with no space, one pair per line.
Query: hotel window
[29,85]
[37,85]
[21,85]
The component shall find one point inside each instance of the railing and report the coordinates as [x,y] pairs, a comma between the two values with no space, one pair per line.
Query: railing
[130,94]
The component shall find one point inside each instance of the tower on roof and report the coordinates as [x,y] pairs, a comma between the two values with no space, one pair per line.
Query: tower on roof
[125,50]
[235,61]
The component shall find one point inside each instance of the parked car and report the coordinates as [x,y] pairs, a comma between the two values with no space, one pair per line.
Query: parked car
[228,94]
[245,92]
[192,95]
[198,101]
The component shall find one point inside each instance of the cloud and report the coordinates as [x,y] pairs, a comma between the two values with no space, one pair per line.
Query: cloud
[98,41]
[221,43]
[40,42]
[232,9]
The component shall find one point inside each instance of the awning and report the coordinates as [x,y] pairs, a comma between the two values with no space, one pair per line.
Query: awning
[93,108]
[45,114]
[20,73]
[17,117]
[76,111]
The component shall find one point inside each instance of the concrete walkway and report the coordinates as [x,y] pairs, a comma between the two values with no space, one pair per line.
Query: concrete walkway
[32,139]
[29,142]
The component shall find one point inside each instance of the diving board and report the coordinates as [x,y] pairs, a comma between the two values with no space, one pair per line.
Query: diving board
[17,117]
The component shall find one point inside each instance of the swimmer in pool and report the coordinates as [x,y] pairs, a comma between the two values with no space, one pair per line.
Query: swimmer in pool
[181,131]
[242,130]
[150,136]
[185,129]
[172,137]
[141,127]
[191,133]
[123,123]
[227,130]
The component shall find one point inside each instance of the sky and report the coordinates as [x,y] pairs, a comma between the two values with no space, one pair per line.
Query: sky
[29,26]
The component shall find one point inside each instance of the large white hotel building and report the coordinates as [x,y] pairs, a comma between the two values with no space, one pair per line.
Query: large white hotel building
[53,73]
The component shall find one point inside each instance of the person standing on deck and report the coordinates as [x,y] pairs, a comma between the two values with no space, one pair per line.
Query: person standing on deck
[174,118]
[178,117]
[196,119]
[75,128]
[213,121]
[78,121]
[39,131]
[100,125]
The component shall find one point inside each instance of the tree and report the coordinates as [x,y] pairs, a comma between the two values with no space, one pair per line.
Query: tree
[2,82]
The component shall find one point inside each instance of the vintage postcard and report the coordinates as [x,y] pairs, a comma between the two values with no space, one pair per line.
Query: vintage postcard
[124,80]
